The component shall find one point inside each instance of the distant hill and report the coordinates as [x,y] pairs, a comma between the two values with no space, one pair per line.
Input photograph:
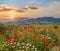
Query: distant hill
[32,20]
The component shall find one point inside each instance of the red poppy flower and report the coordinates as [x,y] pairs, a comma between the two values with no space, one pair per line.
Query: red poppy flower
[46,45]
[12,40]
[34,39]
[40,35]
[25,27]
[5,38]
[10,44]
[48,28]
[22,39]
[9,28]
[45,39]
[8,40]
[15,31]
[3,31]
[29,30]
[25,34]
[30,26]
[14,36]
[37,34]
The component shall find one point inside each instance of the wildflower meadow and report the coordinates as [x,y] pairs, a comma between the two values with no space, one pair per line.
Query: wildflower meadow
[30,37]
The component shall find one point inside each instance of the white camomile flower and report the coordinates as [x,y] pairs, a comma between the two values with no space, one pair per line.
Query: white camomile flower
[19,50]
[23,46]
[6,48]
[22,50]
[13,46]
[27,44]
[23,43]
[14,42]
[18,44]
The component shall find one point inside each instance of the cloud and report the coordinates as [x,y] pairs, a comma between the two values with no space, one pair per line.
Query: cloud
[31,13]
[5,8]
[30,8]
[51,10]
[19,11]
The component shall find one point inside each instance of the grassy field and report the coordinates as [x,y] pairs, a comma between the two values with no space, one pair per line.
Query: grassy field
[32,37]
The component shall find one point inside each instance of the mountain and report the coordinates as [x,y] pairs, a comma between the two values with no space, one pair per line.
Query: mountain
[33,20]
[49,19]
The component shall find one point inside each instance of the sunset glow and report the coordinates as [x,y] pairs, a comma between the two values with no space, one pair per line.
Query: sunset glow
[12,15]
[9,13]
[12,9]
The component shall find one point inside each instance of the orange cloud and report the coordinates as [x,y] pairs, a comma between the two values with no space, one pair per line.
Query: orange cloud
[5,8]
[19,10]
[30,8]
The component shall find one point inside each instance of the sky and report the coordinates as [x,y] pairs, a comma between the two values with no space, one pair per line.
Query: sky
[43,8]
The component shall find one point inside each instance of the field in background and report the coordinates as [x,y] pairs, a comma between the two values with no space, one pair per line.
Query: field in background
[30,37]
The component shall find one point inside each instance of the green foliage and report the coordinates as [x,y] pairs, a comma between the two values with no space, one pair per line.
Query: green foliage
[2,27]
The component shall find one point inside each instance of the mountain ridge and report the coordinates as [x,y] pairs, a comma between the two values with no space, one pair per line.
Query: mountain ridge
[32,20]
